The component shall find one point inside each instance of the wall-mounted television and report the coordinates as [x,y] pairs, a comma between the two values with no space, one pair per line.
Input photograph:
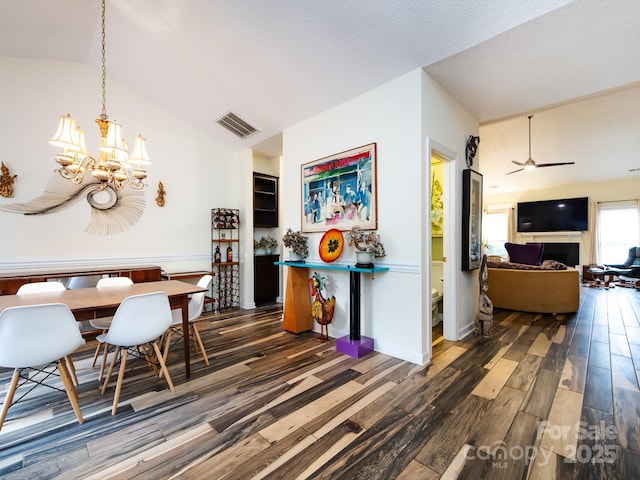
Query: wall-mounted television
[562,215]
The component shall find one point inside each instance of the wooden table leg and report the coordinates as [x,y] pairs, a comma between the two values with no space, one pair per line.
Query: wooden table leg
[185,335]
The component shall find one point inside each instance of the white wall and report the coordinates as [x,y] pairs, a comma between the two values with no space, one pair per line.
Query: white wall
[396,116]
[197,172]
[448,124]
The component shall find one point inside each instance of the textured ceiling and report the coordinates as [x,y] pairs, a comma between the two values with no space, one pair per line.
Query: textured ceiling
[277,62]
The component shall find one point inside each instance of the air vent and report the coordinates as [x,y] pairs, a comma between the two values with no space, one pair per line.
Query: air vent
[236,125]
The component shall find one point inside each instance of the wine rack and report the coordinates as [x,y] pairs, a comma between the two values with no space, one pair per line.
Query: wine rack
[225,239]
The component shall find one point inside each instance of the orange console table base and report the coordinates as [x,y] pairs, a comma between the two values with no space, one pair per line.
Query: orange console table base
[297,307]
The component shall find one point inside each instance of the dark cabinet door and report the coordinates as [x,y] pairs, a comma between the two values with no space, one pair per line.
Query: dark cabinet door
[265,279]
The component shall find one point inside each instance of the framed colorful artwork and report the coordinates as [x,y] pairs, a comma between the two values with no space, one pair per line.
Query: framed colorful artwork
[340,191]
[471,219]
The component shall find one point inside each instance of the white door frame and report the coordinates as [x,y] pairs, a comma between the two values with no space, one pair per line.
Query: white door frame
[450,264]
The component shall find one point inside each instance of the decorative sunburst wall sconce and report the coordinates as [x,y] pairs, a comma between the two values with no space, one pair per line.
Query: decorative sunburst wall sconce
[6,182]
[161,193]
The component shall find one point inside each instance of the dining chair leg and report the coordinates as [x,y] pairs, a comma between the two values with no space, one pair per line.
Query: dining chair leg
[70,388]
[163,367]
[114,360]
[166,338]
[198,338]
[97,352]
[192,339]
[116,396]
[167,343]
[105,354]
[72,370]
[95,355]
[9,398]
[149,355]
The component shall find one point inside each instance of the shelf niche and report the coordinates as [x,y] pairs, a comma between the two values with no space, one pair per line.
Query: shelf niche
[265,200]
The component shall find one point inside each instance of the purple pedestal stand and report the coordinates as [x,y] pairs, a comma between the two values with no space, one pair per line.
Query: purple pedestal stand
[354,344]
[354,348]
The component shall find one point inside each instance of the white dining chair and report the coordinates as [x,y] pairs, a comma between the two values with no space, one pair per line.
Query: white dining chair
[83,281]
[40,287]
[137,325]
[38,337]
[103,323]
[196,304]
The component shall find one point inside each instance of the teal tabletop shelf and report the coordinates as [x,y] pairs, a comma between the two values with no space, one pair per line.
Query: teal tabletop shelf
[330,266]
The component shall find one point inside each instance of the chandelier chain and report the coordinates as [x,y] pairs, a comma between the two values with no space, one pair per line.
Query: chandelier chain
[103,115]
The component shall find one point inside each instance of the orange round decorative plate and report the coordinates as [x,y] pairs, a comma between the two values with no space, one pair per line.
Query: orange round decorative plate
[331,245]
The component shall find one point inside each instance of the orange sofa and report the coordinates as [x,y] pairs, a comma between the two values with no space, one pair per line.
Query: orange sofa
[539,291]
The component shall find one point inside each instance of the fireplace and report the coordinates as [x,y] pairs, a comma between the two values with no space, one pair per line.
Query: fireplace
[567,253]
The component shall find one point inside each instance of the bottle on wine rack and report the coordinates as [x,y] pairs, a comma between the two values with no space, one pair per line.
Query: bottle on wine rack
[229,254]
[217,256]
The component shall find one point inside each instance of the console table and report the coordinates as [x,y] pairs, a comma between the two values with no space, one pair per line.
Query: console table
[297,306]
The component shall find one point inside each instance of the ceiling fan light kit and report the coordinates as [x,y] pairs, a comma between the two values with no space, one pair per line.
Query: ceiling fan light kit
[530,164]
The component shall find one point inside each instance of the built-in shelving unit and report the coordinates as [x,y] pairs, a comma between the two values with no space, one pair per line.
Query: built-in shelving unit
[265,200]
[225,250]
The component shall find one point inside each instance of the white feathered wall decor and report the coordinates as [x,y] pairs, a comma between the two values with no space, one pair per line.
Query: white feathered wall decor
[112,211]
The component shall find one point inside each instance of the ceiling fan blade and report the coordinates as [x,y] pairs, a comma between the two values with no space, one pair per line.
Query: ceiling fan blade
[515,171]
[540,165]
[517,163]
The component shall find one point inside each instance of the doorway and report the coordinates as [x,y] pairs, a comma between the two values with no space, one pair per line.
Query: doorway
[437,249]
[440,265]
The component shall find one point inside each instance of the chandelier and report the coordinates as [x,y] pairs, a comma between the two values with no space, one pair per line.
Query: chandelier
[113,167]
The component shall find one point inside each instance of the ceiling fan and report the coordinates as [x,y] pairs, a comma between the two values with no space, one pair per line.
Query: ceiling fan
[530,164]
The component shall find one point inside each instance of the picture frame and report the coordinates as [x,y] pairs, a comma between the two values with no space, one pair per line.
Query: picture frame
[340,191]
[471,219]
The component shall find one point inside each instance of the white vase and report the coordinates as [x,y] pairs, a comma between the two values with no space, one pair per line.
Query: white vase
[364,259]
[294,257]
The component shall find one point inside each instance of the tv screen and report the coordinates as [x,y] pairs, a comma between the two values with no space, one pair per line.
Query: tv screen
[562,215]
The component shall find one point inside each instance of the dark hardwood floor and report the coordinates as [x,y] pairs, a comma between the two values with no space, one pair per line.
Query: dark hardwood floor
[546,397]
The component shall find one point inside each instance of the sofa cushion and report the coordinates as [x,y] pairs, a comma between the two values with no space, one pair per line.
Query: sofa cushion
[529,254]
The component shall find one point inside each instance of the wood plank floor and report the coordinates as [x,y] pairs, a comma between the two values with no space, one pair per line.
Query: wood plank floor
[546,397]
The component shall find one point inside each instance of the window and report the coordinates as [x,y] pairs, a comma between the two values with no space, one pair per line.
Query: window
[495,232]
[618,230]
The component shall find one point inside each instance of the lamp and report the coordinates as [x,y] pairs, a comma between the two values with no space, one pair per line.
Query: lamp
[114,166]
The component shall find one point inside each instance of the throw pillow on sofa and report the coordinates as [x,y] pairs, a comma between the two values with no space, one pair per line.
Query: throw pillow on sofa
[529,254]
